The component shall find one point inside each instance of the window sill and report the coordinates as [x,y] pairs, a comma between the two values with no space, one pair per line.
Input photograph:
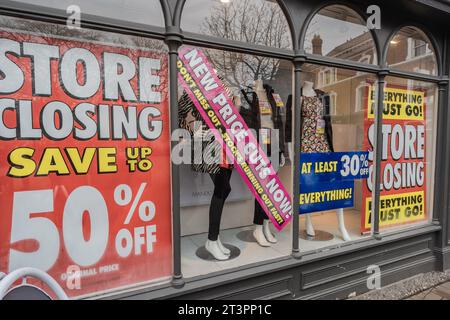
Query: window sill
[248,271]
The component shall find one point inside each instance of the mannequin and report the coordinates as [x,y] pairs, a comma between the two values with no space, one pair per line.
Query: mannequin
[266,117]
[220,172]
[316,126]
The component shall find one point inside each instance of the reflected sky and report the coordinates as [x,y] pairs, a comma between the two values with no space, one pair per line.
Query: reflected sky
[332,31]
[202,10]
[139,11]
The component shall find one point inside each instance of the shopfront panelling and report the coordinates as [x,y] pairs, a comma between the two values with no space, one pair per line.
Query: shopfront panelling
[336,69]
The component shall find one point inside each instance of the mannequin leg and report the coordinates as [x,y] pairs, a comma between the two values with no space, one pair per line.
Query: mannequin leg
[341,223]
[268,233]
[309,226]
[258,219]
[222,189]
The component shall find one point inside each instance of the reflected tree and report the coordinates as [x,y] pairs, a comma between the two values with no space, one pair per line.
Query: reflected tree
[258,22]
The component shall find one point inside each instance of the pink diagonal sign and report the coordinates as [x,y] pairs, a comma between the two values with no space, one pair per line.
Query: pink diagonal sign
[206,91]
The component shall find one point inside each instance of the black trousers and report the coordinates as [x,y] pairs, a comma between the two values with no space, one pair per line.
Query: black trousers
[259,215]
[222,190]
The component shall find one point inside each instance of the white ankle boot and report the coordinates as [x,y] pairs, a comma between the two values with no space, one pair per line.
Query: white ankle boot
[267,233]
[309,226]
[260,237]
[345,234]
[213,248]
[341,223]
[223,248]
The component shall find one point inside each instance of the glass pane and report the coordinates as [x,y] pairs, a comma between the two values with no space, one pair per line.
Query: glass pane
[85,176]
[260,22]
[409,138]
[140,11]
[411,50]
[218,195]
[335,156]
[339,32]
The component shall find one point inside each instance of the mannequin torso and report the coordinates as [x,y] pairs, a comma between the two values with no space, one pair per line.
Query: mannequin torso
[308,89]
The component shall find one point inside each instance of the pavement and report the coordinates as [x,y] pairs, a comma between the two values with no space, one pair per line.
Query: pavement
[425,286]
[440,292]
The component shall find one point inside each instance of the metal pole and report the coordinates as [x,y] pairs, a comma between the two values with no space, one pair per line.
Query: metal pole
[174,40]
[296,104]
[377,151]
[442,89]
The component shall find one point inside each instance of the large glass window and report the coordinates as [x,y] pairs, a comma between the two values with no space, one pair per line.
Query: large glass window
[147,12]
[411,50]
[339,32]
[260,22]
[408,153]
[333,147]
[251,94]
[85,166]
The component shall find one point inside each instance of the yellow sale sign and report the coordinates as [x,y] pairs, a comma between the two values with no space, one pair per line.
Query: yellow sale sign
[403,163]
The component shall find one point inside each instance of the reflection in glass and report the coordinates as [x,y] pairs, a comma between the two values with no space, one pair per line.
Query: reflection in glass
[410,139]
[217,206]
[343,96]
[339,32]
[258,22]
[140,11]
[411,50]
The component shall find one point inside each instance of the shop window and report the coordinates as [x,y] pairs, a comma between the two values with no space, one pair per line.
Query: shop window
[411,50]
[218,200]
[361,91]
[336,217]
[92,204]
[339,32]
[408,157]
[333,103]
[147,12]
[327,76]
[365,59]
[260,22]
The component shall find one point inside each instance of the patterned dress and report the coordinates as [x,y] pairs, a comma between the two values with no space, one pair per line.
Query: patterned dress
[208,157]
[313,139]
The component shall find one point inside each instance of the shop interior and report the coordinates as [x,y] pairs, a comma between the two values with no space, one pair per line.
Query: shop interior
[343,95]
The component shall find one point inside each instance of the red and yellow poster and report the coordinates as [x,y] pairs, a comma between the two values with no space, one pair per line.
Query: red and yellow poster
[403,163]
[84,162]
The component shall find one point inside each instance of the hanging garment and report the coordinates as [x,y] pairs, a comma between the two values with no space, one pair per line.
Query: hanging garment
[325,99]
[212,154]
[314,137]
[252,117]
[288,126]
[253,120]
[277,117]
[326,102]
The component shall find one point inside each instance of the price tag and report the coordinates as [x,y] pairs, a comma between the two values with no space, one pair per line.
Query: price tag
[278,100]
[265,108]
[265,135]
[320,126]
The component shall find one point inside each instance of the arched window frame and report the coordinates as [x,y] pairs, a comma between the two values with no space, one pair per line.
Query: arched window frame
[312,57]
[430,43]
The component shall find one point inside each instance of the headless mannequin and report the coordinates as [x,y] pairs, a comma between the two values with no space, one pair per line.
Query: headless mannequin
[222,189]
[308,91]
[262,232]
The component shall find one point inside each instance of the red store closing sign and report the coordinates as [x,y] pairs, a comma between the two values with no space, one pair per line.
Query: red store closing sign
[85,162]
